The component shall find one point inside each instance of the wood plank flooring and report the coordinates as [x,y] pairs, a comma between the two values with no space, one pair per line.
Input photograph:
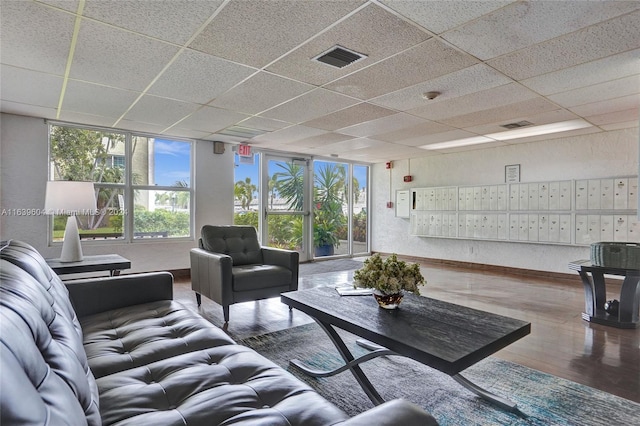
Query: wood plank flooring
[560,343]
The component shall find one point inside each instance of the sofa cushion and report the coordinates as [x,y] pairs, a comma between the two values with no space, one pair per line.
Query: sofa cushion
[244,277]
[137,335]
[239,242]
[223,385]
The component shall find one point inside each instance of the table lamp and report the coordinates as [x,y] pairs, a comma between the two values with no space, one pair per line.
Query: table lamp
[70,198]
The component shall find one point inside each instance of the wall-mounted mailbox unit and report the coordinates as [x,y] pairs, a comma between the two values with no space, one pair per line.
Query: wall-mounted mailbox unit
[403,205]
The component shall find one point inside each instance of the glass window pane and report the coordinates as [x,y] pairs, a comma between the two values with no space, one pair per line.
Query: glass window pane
[330,189]
[107,222]
[246,191]
[286,183]
[285,231]
[360,218]
[161,214]
[160,162]
[87,155]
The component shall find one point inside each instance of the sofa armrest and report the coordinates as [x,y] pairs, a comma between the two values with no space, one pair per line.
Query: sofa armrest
[287,258]
[392,413]
[212,275]
[95,295]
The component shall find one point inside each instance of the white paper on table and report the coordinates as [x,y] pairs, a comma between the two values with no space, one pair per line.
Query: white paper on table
[350,291]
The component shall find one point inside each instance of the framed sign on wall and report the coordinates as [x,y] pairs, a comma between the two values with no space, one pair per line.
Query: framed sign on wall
[512,173]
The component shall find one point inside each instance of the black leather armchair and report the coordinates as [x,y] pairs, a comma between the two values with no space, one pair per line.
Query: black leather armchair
[231,267]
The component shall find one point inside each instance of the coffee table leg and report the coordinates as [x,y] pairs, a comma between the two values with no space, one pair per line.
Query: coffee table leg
[491,397]
[351,364]
[483,393]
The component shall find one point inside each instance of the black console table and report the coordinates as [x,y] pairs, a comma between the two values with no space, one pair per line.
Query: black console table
[595,294]
[103,262]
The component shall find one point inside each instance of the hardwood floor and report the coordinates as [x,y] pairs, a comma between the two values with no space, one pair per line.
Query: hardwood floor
[560,343]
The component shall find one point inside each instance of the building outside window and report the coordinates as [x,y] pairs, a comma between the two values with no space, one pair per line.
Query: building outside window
[143,183]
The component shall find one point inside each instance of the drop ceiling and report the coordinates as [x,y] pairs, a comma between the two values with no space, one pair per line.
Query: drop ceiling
[243,71]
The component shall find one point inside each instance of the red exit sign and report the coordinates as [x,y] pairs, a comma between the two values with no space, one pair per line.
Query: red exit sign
[244,150]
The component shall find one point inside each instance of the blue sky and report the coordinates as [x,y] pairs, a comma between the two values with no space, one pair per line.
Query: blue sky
[172,162]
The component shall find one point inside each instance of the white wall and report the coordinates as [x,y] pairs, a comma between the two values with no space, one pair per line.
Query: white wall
[23,173]
[601,155]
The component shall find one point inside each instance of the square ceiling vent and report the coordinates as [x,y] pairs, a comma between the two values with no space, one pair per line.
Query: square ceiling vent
[339,57]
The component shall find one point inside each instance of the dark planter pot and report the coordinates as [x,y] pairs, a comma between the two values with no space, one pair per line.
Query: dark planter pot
[326,250]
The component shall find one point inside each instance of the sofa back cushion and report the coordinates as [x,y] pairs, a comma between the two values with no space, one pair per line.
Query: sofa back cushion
[239,242]
[45,375]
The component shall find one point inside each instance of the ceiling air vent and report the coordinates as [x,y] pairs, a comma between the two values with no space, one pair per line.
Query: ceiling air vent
[339,57]
[516,125]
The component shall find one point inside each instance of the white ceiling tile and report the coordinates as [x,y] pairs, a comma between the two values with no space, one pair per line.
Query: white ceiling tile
[598,41]
[88,119]
[459,83]
[211,119]
[597,92]
[288,135]
[112,57]
[198,77]
[321,140]
[258,32]
[505,113]
[28,110]
[160,111]
[606,106]
[186,133]
[261,92]
[474,102]
[172,20]
[371,31]
[311,105]
[353,115]
[35,36]
[523,24]
[427,61]
[29,87]
[424,128]
[351,145]
[97,100]
[616,117]
[68,5]
[382,125]
[617,126]
[594,72]
[140,127]
[439,16]
[548,117]
[446,136]
[266,124]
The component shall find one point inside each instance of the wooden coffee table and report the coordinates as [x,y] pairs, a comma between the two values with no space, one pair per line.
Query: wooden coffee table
[441,335]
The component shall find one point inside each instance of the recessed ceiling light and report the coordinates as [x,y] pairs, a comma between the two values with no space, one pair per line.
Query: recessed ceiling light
[458,142]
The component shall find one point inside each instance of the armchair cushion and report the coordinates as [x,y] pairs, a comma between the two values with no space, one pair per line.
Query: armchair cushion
[239,242]
[244,277]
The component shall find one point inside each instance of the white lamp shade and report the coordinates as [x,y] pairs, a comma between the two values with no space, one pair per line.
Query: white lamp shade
[70,198]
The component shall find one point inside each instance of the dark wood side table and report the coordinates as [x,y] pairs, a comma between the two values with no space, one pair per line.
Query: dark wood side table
[113,263]
[595,294]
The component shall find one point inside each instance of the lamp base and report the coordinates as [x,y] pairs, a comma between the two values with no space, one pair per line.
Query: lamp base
[71,248]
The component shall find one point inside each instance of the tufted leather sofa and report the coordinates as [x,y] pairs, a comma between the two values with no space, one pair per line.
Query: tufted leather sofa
[120,351]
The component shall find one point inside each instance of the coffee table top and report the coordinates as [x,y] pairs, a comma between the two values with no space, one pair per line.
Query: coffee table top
[442,335]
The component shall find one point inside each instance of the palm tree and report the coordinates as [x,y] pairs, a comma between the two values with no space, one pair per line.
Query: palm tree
[290,185]
[244,191]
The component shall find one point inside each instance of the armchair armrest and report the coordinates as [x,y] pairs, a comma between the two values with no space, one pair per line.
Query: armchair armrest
[211,275]
[287,258]
[94,295]
[391,413]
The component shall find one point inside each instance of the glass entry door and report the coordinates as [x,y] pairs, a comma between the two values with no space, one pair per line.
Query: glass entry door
[286,206]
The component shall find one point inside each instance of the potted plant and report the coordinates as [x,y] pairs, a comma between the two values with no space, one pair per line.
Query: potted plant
[388,279]
[328,219]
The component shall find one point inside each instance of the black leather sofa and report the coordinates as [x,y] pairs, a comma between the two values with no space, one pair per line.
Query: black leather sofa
[120,351]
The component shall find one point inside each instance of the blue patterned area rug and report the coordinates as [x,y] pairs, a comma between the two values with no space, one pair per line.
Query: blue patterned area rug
[544,399]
